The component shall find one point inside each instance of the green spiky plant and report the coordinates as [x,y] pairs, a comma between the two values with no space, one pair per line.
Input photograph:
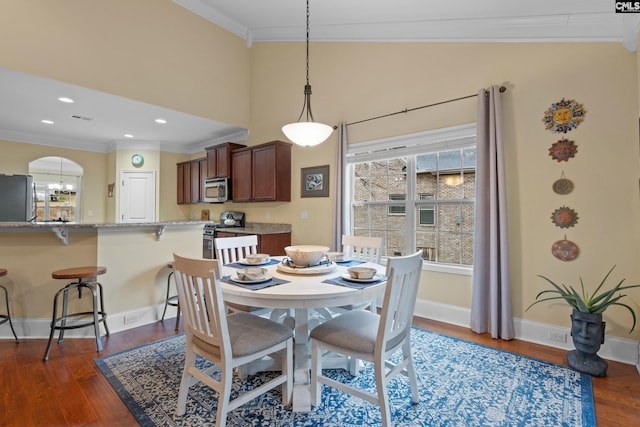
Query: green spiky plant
[596,303]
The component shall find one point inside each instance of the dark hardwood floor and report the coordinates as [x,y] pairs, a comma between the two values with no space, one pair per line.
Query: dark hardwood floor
[69,390]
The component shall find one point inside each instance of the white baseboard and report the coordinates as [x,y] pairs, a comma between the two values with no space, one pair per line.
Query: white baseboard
[40,328]
[614,348]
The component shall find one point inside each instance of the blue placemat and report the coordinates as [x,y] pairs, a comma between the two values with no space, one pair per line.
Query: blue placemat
[238,265]
[255,286]
[350,263]
[355,285]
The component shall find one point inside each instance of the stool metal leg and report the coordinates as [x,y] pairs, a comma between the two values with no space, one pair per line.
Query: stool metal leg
[177,327]
[166,299]
[169,300]
[7,318]
[102,311]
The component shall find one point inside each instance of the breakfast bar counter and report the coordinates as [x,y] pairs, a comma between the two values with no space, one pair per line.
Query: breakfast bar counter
[62,229]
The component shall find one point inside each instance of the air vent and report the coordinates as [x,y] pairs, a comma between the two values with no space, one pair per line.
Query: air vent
[75,116]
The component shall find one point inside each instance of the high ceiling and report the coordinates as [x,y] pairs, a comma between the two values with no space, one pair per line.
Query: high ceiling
[101,120]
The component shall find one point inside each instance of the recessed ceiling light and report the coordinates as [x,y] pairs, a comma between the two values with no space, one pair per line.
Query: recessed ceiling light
[47,122]
[161,121]
[65,99]
[128,135]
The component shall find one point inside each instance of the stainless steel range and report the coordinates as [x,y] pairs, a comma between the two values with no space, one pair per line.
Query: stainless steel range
[228,219]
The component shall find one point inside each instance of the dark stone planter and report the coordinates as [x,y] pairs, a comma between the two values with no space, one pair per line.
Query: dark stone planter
[587,331]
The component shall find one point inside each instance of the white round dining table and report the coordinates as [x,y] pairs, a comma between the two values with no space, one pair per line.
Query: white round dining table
[302,293]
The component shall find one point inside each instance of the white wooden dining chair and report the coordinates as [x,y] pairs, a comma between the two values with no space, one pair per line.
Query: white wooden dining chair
[228,341]
[362,248]
[234,249]
[364,335]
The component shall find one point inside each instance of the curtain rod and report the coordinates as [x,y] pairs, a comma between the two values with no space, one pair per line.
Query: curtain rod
[502,89]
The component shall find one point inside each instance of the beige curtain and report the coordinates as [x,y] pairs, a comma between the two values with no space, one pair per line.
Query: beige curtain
[338,198]
[491,301]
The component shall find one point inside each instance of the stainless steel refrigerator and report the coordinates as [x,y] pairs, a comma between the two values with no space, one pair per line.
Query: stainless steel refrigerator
[17,203]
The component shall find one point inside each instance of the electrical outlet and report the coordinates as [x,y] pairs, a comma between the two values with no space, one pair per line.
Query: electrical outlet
[130,319]
[558,336]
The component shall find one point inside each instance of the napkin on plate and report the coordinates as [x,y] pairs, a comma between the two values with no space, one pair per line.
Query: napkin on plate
[255,286]
[355,285]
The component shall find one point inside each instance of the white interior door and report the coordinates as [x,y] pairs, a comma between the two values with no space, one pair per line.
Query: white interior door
[137,196]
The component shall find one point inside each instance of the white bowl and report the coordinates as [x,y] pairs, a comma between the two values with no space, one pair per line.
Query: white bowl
[362,272]
[257,258]
[336,256]
[306,255]
[252,273]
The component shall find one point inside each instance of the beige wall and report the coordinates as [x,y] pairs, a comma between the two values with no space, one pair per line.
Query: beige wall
[16,156]
[152,51]
[354,81]
[174,59]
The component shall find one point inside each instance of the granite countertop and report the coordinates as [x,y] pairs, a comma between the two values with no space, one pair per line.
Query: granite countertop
[258,228]
[81,225]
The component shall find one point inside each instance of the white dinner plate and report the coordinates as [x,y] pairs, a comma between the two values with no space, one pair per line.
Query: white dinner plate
[249,282]
[375,277]
[245,262]
[316,269]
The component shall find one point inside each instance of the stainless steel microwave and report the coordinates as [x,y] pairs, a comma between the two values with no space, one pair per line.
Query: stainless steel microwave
[216,190]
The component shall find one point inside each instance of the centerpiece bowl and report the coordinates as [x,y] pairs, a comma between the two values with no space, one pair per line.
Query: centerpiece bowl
[306,255]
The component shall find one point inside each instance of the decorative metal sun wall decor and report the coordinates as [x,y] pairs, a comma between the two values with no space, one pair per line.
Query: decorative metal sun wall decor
[564,116]
[564,217]
[563,150]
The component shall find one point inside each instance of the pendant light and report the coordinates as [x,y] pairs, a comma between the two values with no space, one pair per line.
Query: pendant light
[307,133]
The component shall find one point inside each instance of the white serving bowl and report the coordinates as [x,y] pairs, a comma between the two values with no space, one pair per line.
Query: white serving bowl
[252,273]
[257,258]
[362,272]
[306,255]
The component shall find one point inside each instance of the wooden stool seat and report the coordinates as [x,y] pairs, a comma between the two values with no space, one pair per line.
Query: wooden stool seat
[4,318]
[78,272]
[82,280]
[171,300]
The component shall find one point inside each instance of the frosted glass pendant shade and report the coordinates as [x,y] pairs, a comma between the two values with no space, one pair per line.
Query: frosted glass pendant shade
[307,134]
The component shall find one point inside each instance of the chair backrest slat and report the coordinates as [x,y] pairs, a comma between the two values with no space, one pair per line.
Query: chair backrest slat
[234,249]
[201,301]
[363,248]
[399,299]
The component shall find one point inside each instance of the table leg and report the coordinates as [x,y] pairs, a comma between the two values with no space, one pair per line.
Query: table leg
[301,376]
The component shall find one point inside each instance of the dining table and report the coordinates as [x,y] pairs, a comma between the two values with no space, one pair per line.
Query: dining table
[306,296]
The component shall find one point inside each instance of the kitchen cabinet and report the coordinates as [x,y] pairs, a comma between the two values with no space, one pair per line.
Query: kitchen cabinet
[272,244]
[219,159]
[191,175]
[262,173]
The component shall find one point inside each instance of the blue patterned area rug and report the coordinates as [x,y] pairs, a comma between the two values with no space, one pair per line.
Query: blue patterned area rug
[461,384]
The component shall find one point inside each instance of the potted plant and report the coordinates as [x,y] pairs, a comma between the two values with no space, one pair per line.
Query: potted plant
[587,326]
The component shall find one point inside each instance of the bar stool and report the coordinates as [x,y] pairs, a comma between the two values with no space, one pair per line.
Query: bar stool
[81,274]
[4,318]
[171,300]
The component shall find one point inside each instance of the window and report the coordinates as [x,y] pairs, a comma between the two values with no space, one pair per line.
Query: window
[416,192]
[397,209]
[427,213]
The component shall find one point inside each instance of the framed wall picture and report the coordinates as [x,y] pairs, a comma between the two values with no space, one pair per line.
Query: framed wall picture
[315,181]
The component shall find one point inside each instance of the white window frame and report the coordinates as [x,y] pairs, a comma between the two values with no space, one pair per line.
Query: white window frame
[454,137]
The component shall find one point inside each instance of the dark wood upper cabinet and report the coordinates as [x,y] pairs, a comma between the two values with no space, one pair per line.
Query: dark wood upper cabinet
[262,173]
[219,159]
[191,175]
